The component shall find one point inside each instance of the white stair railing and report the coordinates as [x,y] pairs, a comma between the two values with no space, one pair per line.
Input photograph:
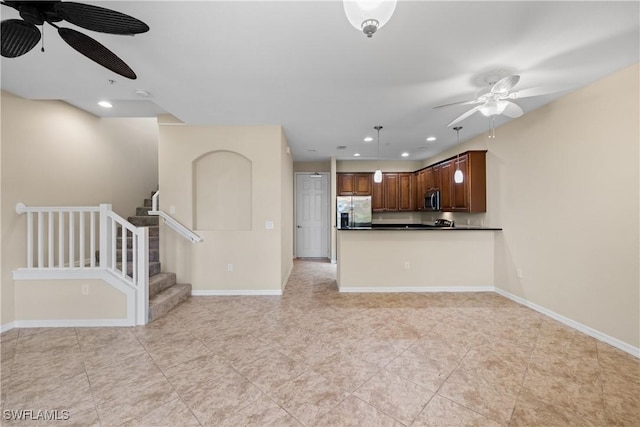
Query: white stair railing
[62,243]
[172,222]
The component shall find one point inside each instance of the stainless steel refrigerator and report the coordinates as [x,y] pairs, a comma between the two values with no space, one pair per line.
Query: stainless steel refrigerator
[353,211]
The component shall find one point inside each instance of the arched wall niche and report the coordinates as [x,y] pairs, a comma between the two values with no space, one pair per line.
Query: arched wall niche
[222,191]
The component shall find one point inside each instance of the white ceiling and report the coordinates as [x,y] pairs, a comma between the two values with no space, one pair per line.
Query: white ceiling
[302,65]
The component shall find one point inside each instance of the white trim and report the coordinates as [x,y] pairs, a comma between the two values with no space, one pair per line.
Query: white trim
[71,323]
[7,327]
[232,292]
[627,348]
[286,278]
[370,289]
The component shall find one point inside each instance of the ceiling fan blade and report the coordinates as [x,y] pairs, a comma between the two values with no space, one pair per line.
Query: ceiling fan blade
[474,101]
[536,91]
[100,19]
[464,115]
[96,52]
[512,110]
[18,37]
[505,84]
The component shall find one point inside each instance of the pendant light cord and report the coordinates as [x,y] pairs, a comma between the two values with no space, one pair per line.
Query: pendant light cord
[378,156]
[457,129]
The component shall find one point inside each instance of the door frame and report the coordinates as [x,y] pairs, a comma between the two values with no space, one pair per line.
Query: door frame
[327,212]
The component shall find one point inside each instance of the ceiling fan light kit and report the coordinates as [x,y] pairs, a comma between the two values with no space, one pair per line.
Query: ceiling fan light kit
[19,36]
[369,16]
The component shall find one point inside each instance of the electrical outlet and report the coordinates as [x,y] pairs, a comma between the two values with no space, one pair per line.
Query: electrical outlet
[268,225]
[229,267]
[520,274]
[84,289]
[407,265]
[172,210]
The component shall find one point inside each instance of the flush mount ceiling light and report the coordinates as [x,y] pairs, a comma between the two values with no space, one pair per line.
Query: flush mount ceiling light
[105,104]
[377,175]
[369,15]
[458,177]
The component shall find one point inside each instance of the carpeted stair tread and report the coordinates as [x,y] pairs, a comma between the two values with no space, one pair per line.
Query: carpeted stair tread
[142,211]
[160,282]
[163,302]
[144,221]
[154,243]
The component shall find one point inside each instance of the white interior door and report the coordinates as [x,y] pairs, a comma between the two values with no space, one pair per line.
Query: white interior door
[312,215]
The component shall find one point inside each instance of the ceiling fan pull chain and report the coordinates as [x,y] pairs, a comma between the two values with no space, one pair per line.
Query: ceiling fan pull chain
[42,47]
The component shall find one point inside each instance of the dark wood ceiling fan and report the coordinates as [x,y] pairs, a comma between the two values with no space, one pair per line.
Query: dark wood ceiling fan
[19,36]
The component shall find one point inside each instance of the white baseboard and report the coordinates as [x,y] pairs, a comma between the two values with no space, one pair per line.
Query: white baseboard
[71,323]
[373,289]
[7,327]
[234,292]
[627,348]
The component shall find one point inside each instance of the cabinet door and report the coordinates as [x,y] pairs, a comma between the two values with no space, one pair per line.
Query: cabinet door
[345,184]
[461,190]
[405,194]
[446,185]
[429,182]
[391,187]
[377,196]
[362,184]
[420,189]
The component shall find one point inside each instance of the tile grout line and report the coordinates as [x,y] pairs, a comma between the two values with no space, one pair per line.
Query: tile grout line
[86,373]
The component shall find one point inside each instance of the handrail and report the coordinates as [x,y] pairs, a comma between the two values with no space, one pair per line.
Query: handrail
[177,226]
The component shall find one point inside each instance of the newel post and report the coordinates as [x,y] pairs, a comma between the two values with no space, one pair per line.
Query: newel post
[105,234]
[142,279]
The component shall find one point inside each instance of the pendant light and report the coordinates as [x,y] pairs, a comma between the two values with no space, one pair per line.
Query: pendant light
[458,176]
[369,15]
[377,175]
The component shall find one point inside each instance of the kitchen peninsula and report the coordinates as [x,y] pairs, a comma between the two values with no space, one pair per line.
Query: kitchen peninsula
[415,259]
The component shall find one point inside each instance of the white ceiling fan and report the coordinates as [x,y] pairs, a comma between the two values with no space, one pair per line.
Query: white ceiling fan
[495,100]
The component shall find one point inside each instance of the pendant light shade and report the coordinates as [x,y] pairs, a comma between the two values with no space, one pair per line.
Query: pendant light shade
[369,15]
[458,176]
[377,175]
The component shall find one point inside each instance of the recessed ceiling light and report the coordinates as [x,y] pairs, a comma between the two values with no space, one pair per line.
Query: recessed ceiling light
[405,154]
[143,93]
[312,151]
[105,104]
[431,138]
[368,139]
[356,154]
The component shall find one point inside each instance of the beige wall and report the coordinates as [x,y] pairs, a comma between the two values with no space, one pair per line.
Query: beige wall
[438,260]
[56,155]
[372,165]
[312,166]
[256,254]
[563,182]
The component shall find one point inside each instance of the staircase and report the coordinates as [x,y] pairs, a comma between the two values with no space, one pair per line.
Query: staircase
[164,292]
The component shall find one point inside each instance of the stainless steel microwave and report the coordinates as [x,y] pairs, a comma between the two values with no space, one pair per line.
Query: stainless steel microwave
[432,200]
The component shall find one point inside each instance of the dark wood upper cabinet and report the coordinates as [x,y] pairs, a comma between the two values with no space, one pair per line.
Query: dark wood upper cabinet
[406,198]
[354,184]
[404,191]
[471,194]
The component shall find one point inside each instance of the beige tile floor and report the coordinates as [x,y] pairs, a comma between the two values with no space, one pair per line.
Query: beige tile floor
[316,357]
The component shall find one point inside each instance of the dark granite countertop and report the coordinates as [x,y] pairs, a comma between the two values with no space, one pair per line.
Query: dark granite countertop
[420,227]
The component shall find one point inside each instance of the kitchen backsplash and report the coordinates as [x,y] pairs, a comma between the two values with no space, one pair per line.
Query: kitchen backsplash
[475,219]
